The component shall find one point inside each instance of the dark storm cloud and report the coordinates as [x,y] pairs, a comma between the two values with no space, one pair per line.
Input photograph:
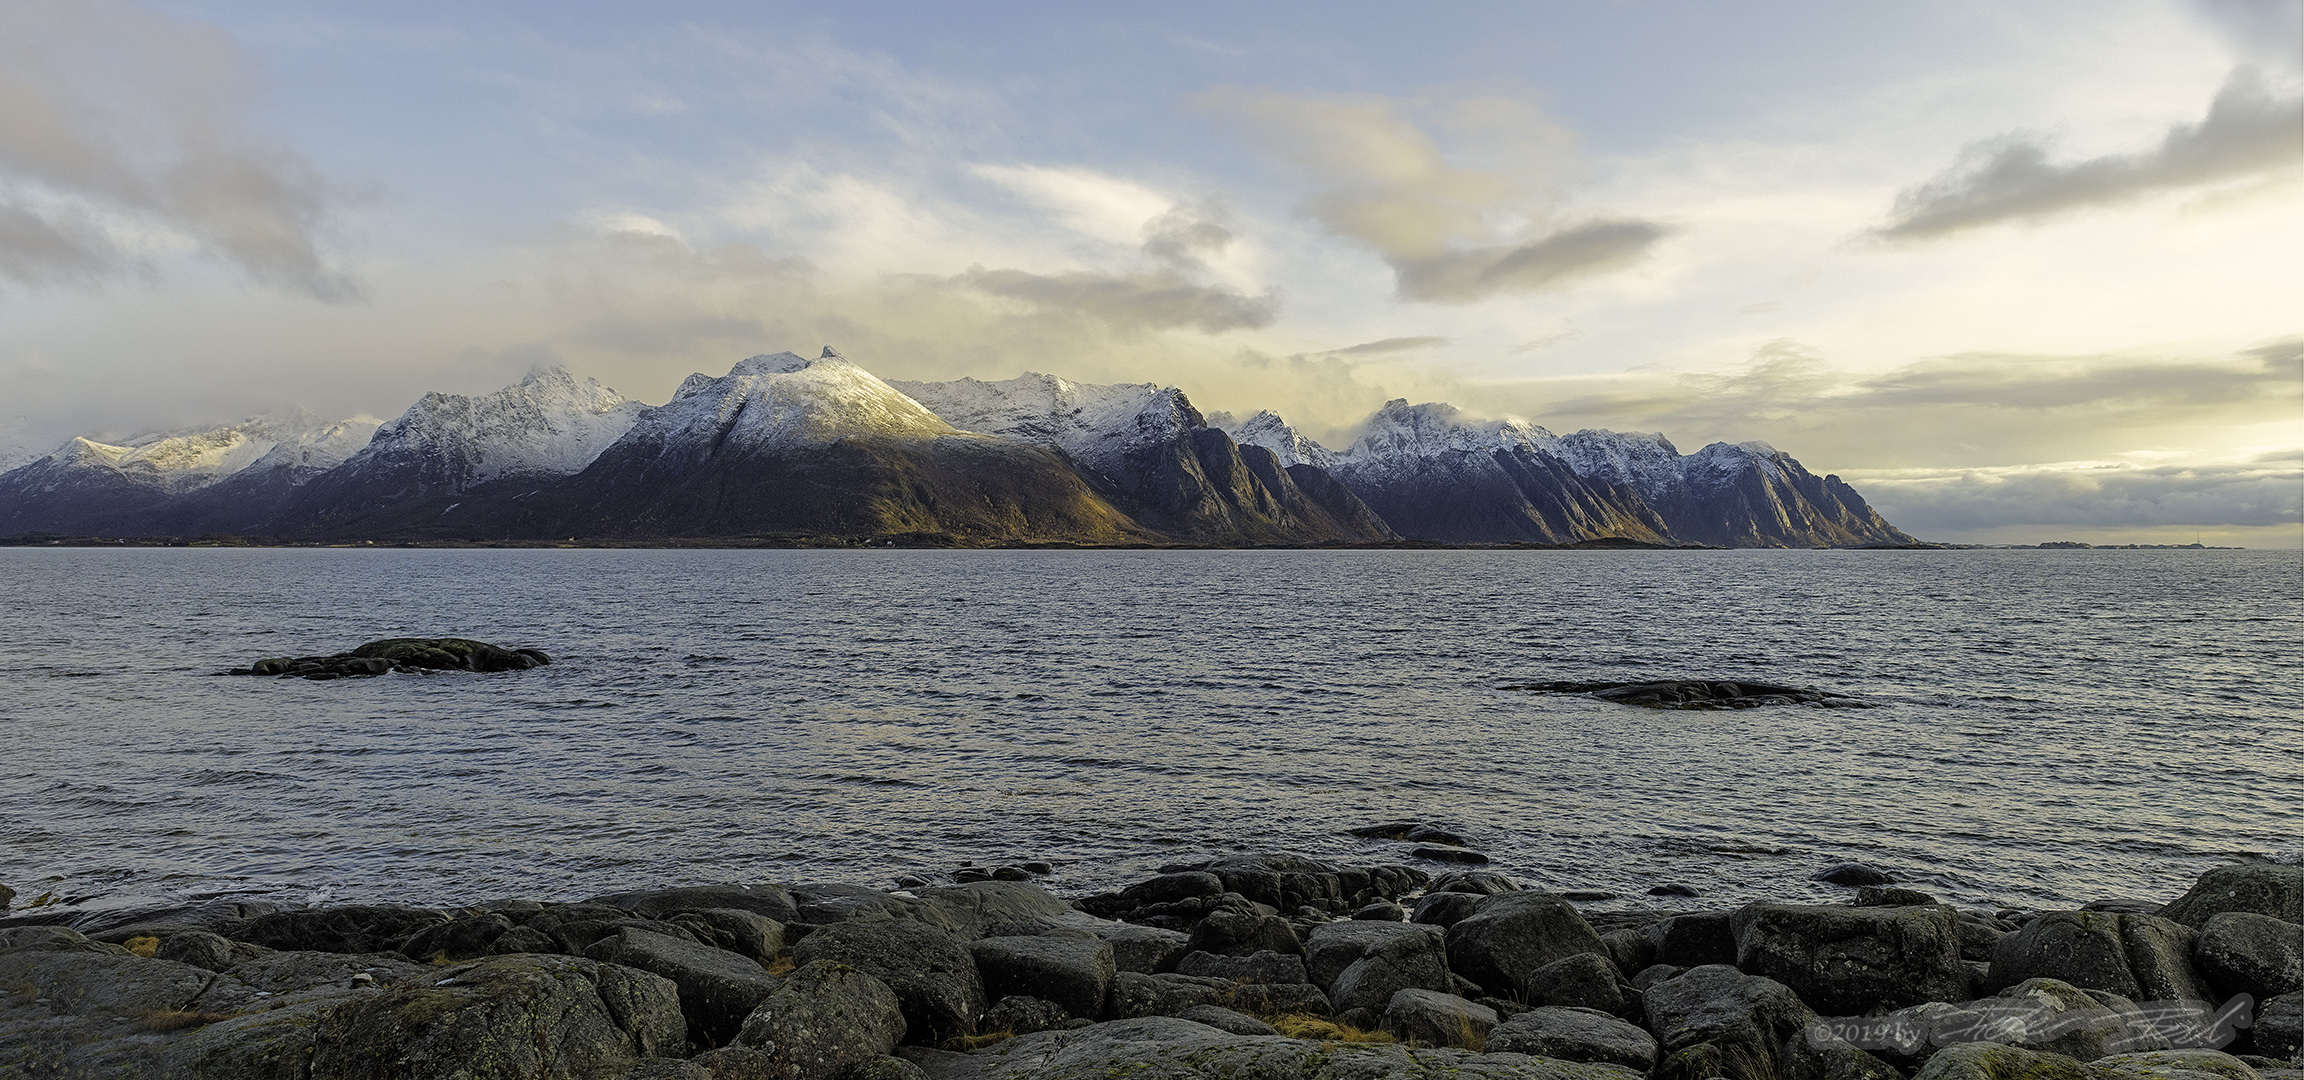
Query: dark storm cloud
[2247,131]
[121,136]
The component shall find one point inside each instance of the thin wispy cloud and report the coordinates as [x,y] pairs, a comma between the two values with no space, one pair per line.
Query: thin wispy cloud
[123,137]
[2248,130]
[1162,300]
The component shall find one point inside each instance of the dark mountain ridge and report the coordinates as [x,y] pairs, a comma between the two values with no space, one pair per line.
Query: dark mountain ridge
[783,445]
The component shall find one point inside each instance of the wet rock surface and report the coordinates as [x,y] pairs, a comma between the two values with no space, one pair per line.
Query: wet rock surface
[399,654]
[1002,978]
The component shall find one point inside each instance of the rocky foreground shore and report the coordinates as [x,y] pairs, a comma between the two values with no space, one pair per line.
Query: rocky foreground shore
[1245,968]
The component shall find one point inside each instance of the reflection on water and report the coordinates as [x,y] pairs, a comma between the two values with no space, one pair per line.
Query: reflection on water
[2059,725]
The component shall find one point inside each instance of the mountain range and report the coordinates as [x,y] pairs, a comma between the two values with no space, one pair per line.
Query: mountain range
[784,446]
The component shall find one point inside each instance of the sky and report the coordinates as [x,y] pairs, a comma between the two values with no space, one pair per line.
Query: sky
[2017,272]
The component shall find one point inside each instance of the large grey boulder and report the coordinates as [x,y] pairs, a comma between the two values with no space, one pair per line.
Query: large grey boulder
[503,1017]
[1574,1035]
[1229,933]
[1514,933]
[1020,1014]
[826,1020]
[1362,964]
[931,971]
[718,988]
[1716,1021]
[357,928]
[1585,980]
[1075,973]
[2256,888]
[981,909]
[1144,949]
[1847,960]
[1693,940]
[746,933]
[2138,957]
[1263,967]
[1631,950]
[772,901]
[1995,1061]
[1445,908]
[2280,1027]
[824,903]
[1431,1018]
[203,949]
[1169,888]
[466,938]
[2059,1018]
[2246,953]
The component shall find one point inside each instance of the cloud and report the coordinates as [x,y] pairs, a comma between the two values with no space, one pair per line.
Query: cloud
[1387,346]
[2257,491]
[1181,238]
[1452,232]
[2247,131]
[1162,300]
[121,137]
[2270,31]
[1577,251]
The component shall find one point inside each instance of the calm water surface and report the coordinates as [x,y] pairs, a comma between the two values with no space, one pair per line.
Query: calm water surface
[2055,726]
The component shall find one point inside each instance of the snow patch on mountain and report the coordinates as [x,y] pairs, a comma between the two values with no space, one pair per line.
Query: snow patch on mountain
[1402,439]
[1268,430]
[1719,464]
[1095,425]
[546,424]
[782,400]
[1646,462]
[193,458]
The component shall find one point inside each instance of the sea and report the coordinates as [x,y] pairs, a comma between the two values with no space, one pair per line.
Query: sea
[2046,728]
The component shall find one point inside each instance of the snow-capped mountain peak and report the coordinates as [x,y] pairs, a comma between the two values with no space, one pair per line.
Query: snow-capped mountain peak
[192,458]
[781,400]
[1096,425]
[1268,430]
[1402,435]
[546,424]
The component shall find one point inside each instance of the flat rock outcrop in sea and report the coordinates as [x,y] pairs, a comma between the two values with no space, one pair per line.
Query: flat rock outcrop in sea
[1244,967]
[400,654]
[1699,694]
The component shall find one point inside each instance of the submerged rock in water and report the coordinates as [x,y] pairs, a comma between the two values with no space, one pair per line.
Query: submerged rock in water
[400,654]
[1692,694]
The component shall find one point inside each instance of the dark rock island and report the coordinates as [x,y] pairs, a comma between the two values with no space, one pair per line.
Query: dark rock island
[400,654]
[1692,694]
